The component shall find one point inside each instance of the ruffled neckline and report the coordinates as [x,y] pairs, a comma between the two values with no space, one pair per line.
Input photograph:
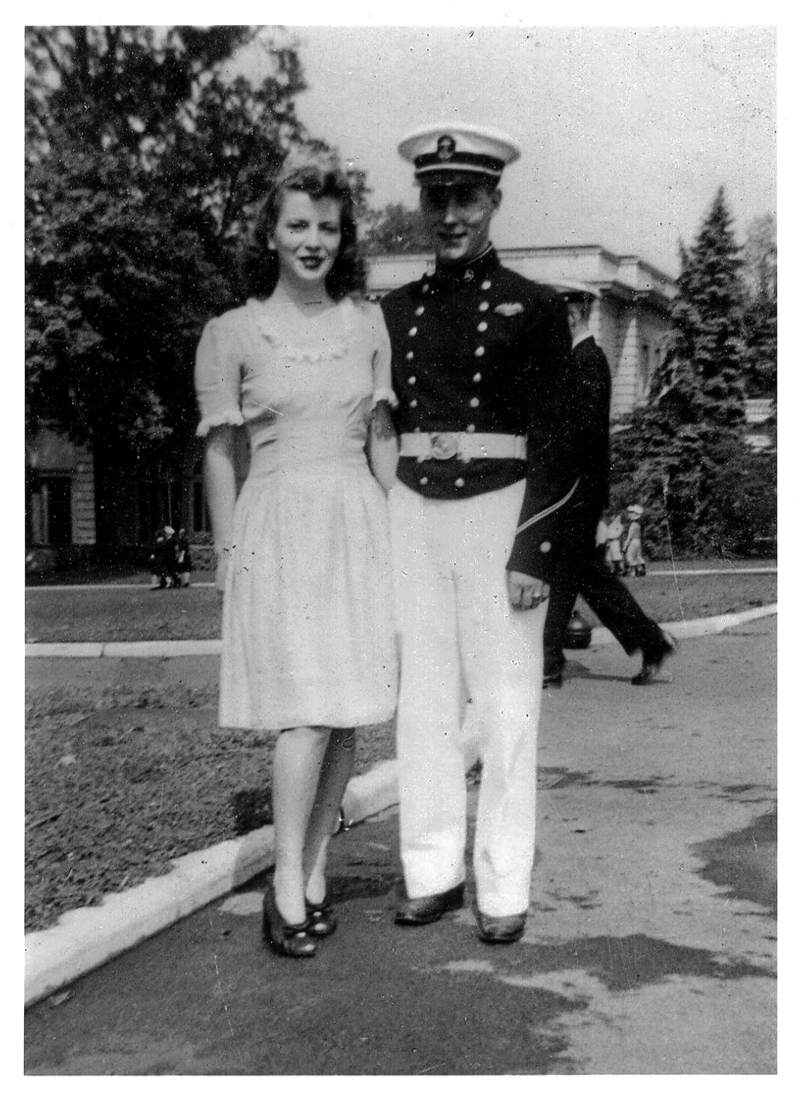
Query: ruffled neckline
[325,349]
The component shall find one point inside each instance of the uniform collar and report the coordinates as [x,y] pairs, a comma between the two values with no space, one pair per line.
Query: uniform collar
[464,274]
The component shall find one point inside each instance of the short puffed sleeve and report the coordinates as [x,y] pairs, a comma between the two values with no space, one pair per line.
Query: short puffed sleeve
[381,358]
[217,377]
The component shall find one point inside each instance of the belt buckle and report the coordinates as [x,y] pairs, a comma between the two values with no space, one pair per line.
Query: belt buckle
[444,446]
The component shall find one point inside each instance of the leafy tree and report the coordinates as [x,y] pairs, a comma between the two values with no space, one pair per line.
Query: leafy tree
[394,230]
[760,278]
[676,453]
[142,162]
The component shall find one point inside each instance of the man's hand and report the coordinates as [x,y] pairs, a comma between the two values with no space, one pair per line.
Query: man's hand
[526,592]
[223,563]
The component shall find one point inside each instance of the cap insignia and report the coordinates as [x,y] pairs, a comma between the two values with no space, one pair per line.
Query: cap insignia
[445,147]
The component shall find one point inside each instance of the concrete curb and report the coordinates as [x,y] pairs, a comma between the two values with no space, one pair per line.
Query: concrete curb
[88,937]
[698,627]
[169,649]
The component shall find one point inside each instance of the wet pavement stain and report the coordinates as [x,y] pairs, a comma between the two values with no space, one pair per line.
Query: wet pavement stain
[639,785]
[559,777]
[745,862]
[624,964]
[585,902]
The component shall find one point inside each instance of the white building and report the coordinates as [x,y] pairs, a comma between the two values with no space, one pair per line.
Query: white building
[630,320]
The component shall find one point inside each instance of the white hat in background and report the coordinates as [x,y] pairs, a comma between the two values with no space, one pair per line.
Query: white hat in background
[574,291]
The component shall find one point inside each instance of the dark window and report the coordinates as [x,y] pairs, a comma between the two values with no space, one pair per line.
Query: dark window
[57,499]
[201,522]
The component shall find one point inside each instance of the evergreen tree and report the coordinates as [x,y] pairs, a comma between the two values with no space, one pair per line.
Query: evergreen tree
[677,452]
[142,162]
[761,308]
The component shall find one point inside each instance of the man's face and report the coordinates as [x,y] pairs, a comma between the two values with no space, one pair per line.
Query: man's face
[458,216]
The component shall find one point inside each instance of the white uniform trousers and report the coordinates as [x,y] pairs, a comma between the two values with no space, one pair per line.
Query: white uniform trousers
[461,639]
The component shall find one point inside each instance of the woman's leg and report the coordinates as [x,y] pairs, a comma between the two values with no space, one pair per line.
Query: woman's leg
[337,768]
[297,765]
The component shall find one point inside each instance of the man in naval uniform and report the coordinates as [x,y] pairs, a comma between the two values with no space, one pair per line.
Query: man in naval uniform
[582,571]
[482,371]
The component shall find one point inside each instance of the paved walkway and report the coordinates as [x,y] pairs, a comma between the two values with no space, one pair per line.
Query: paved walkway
[651,943]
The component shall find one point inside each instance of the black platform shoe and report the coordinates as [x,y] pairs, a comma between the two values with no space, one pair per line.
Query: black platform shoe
[285,939]
[321,918]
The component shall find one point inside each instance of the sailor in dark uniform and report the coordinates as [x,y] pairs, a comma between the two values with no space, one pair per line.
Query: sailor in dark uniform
[482,372]
[582,571]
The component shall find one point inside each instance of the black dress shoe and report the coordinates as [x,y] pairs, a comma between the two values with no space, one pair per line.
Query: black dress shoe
[428,909]
[653,658]
[500,929]
[553,679]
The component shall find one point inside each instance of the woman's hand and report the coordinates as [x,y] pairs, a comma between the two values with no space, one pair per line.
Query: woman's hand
[382,450]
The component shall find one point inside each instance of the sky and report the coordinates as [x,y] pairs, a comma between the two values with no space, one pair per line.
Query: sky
[626,131]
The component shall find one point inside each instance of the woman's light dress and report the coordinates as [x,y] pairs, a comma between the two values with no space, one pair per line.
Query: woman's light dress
[307,627]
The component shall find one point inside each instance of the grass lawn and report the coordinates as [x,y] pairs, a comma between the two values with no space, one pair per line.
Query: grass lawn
[120,781]
[137,613]
[123,775]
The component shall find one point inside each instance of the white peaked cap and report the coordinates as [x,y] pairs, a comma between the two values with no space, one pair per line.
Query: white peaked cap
[448,147]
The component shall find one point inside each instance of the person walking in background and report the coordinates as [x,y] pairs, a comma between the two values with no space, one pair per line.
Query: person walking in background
[308,635]
[163,560]
[615,528]
[632,545]
[483,374]
[156,560]
[169,552]
[184,559]
[583,572]
[600,538]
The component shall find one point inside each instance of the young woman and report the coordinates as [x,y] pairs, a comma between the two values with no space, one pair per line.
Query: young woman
[308,643]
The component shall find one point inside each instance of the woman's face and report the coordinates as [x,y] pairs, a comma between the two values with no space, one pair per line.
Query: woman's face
[307,237]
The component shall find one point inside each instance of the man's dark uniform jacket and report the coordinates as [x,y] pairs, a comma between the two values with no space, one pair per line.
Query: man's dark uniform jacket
[479,348]
[592,403]
[582,570]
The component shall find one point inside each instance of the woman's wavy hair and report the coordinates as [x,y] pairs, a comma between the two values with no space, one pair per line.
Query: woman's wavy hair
[319,176]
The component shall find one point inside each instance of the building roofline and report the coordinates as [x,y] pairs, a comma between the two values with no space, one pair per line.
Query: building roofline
[520,251]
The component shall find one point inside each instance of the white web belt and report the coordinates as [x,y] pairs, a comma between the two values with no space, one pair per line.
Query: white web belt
[443,445]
